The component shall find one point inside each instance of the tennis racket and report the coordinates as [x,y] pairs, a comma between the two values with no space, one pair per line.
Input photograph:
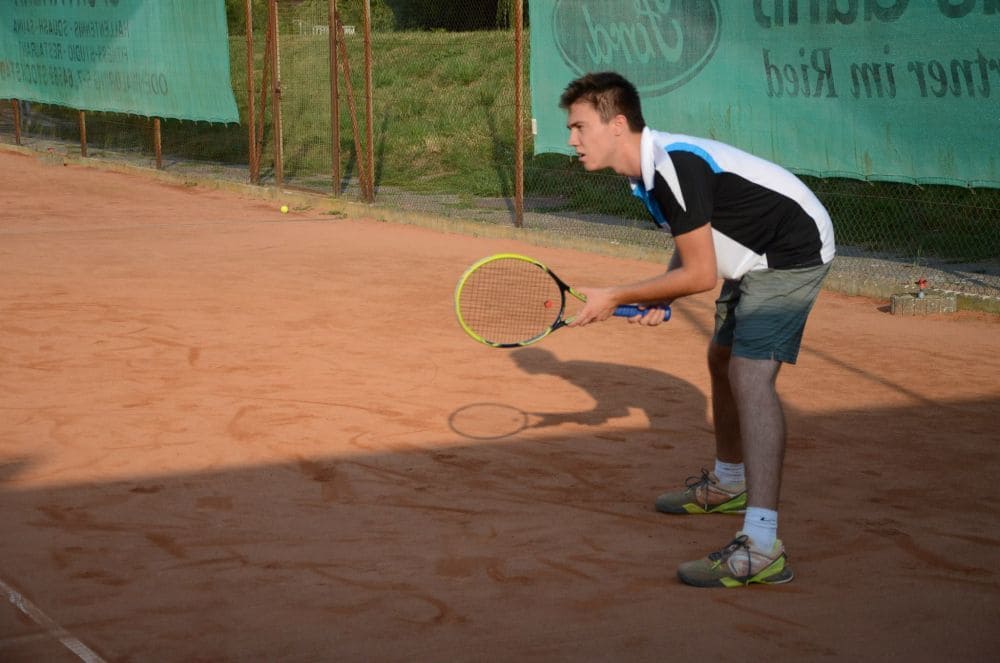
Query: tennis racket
[509,300]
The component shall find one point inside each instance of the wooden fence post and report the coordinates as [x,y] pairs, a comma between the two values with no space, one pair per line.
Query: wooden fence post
[334,101]
[254,151]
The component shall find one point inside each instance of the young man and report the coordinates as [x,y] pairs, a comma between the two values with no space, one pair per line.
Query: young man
[743,219]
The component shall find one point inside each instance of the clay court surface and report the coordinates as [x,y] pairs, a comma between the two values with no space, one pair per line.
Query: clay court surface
[229,434]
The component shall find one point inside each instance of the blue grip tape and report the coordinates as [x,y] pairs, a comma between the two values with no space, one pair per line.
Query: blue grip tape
[629,311]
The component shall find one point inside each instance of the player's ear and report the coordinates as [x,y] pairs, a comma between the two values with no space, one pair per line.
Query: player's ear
[620,124]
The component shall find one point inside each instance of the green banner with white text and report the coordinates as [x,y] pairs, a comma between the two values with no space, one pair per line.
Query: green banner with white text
[157,58]
[895,90]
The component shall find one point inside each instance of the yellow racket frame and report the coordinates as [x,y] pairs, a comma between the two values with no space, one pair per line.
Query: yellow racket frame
[564,288]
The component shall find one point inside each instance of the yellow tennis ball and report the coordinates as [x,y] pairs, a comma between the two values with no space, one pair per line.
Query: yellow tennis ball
[284,209]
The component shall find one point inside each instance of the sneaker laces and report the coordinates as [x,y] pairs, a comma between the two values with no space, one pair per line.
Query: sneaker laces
[694,483]
[741,542]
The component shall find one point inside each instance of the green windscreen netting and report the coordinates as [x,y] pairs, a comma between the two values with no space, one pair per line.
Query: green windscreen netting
[158,58]
[897,90]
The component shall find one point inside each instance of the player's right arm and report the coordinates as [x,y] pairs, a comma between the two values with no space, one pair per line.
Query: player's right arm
[695,273]
[693,266]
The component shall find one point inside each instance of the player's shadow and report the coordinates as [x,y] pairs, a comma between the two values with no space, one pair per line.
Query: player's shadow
[616,390]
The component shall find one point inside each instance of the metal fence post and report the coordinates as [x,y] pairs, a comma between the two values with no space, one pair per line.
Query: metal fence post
[518,115]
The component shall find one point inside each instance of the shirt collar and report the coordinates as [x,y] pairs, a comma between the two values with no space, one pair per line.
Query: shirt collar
[646,162]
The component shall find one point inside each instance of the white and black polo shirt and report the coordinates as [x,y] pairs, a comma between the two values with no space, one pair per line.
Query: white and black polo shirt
[762,216]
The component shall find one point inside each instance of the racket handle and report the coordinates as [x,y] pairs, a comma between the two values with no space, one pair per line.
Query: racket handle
[629,311]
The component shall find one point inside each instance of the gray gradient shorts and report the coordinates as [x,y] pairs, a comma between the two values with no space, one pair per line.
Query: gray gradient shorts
[762,315]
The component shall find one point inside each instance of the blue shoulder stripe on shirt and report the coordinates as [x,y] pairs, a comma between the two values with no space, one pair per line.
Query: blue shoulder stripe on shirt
[651,205]
[694,149]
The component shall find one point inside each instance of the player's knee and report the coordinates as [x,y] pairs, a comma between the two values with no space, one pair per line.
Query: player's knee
[753,376]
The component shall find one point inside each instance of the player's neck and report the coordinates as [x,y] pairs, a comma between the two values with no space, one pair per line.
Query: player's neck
[629,157]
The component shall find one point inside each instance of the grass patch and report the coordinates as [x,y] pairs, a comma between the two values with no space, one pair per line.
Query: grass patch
[443,123]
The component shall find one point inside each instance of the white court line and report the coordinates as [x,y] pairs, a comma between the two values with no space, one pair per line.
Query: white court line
[84,652]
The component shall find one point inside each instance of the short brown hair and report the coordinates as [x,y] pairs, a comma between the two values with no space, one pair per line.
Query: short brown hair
[610,94]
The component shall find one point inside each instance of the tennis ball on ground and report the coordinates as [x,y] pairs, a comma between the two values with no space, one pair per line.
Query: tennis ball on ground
[284,209]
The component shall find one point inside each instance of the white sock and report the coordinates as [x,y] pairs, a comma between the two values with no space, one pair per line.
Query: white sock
[729,473]
[761,525]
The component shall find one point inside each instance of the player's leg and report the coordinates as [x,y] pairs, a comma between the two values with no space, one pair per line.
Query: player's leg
[770,317]
[722,490]
[725,413]
[762,426]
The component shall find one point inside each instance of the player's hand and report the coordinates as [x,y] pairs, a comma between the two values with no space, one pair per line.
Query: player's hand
[600,305]
[652,314]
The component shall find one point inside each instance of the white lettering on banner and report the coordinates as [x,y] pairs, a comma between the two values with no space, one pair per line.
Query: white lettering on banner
[635,41]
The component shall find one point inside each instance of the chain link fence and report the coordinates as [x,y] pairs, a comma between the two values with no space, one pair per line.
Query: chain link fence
[443,142]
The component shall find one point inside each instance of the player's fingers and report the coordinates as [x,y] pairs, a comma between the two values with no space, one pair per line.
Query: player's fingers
[652,317]
[647,316]
[585,318]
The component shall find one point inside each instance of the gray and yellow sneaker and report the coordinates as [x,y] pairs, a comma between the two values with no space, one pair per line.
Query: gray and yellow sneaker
[737,565]
[704,494]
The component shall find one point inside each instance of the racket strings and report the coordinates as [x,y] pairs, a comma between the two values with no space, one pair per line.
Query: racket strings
[510,301]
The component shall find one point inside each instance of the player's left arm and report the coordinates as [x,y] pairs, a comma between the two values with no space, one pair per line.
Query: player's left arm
[653,313]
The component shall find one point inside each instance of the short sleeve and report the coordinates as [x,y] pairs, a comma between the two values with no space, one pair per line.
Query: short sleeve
[697,182]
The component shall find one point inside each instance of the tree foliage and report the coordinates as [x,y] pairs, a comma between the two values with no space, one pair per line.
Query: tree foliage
[452,16]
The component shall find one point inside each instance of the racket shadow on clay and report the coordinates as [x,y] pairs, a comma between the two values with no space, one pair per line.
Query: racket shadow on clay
[615,389]
[495,421]
[488,421]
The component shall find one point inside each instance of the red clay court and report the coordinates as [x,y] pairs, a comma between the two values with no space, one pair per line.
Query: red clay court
[229,434]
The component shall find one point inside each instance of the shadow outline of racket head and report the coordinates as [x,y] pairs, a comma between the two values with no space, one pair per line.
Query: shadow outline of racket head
[509,288]
[487,421]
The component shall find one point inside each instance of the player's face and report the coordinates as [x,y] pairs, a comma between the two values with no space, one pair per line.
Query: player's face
[593,139]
